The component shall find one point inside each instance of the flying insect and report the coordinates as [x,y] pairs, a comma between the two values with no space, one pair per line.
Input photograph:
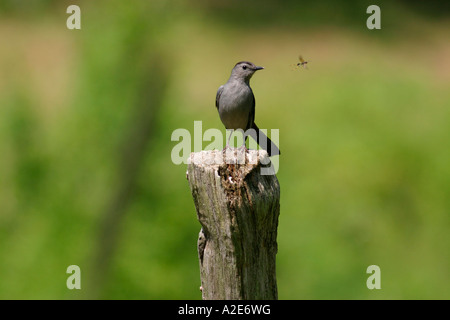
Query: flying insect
[302,62]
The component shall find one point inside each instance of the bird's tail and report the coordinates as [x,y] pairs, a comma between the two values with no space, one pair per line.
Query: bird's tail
[264,141]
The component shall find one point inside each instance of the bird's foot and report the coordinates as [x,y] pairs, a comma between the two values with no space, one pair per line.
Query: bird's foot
[227,150]
[243,148]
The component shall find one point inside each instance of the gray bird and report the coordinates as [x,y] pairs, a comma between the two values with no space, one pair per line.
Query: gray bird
[236,105]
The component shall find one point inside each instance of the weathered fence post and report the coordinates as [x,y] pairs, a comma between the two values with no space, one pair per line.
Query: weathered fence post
[238,208]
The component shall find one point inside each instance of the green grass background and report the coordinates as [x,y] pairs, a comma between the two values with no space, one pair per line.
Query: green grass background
[364,175]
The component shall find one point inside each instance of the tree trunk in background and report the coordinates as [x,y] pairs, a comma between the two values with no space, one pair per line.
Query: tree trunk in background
[131,157]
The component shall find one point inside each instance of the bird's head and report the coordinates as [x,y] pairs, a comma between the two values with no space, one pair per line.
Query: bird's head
[244,70]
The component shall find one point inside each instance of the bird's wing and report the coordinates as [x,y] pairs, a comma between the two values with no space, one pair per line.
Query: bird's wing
[251,121]
[219,92]
[251,116]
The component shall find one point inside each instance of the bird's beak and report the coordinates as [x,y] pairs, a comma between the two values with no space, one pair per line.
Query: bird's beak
[258,68]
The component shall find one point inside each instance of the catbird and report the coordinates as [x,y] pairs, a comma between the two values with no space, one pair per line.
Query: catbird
[236,105]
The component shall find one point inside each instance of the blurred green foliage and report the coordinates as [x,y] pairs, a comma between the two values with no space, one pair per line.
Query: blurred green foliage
[365,175]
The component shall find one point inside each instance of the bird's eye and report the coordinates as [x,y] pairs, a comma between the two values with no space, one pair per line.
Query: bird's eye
[244,67]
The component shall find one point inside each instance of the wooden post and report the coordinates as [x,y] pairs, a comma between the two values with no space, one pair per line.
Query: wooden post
[238,207]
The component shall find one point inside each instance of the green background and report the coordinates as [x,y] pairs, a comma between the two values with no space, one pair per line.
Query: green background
[86,118]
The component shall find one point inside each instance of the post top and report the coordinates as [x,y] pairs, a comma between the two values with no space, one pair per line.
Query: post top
[229,156]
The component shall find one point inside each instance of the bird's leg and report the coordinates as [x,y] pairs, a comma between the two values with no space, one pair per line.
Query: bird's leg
[228,156]
[243,147]
[228,141]
[229,138]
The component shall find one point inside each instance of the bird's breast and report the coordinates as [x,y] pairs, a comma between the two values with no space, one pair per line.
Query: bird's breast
[235,105]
